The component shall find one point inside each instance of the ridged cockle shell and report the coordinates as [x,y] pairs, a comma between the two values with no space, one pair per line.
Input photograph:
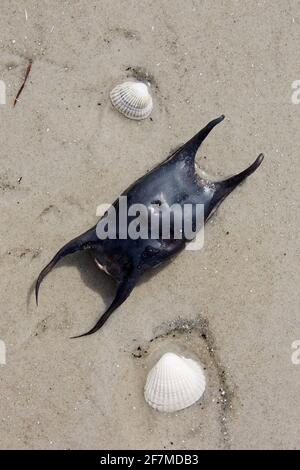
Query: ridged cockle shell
[133,99]
[174,383]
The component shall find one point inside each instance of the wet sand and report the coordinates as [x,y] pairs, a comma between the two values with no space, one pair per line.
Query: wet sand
[233,305]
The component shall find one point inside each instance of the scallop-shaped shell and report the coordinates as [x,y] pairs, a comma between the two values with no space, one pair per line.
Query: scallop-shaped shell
[133,99]
[174,383]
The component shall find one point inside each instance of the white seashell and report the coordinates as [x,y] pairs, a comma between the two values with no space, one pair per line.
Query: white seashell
[132,99]
[174,383]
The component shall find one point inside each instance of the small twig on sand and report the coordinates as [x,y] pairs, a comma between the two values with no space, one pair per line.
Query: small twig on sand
[23,84]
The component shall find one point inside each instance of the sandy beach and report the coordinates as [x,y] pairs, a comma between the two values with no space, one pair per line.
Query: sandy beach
[234,305]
